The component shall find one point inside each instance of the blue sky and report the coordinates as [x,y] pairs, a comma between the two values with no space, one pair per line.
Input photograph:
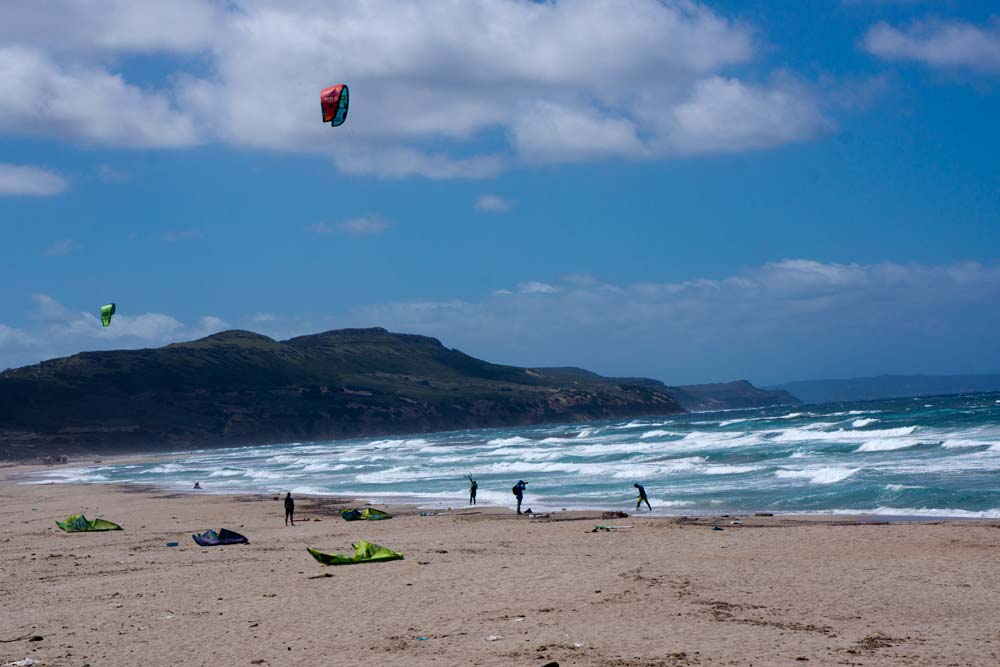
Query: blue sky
[689,191]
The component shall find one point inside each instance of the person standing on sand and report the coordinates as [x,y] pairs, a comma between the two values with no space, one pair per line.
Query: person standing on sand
[518,491]
[642,497]
[473,487]
[289,509]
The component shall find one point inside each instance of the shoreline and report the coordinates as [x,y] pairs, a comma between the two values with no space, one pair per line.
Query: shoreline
[9,474]
[481,586]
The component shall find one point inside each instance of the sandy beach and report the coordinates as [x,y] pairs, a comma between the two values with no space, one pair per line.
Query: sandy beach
[483,587]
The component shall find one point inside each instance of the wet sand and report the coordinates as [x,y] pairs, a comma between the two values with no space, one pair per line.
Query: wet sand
[484,587]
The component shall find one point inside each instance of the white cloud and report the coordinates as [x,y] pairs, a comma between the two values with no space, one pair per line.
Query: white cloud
[31,181]
[562,81]
[182,235]
[535,287]
[48,309]
[784,320]
[51,329]
[726,115]
[9,336]
[109,174]
[791,319]
[85,103]
[59,248]
[112,25]
[364,226]
[208,325]
[495,203]
[939,43]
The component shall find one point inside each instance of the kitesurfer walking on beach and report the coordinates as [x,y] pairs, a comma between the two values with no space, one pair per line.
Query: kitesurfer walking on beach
[518,491]
[289,509]
[642,497]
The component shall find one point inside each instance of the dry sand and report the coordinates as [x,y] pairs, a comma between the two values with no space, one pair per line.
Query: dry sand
[482,587]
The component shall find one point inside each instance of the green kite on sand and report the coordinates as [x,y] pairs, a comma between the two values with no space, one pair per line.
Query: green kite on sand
[369,514]
[366,553]
[79,524]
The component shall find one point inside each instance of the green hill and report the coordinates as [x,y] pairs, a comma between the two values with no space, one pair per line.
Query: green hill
[238,387]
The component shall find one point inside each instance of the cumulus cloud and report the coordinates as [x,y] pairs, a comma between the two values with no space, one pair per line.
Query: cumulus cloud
[364,226]
[560,81]
[792,319]
[939,43]
[59,248]
[726,115]
[112,25]
[495,203]
[85,103]
[182,235]
[781,321]
[50,329]
[109,174]
[30,181]
[536,287]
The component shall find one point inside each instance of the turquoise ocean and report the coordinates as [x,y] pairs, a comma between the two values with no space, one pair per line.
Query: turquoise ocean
[936,456]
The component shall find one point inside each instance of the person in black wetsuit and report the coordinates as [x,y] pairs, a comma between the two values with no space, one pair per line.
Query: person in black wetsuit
[473,487]
[642,497]
[289,509]
[518,491]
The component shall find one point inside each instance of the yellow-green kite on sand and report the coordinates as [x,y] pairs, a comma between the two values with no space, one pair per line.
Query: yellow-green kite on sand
[79,523]
[366,553]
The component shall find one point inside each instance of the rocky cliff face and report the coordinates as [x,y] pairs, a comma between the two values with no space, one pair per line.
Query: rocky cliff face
[238,387]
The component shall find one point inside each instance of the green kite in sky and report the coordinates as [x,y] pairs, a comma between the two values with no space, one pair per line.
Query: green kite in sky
[107,311]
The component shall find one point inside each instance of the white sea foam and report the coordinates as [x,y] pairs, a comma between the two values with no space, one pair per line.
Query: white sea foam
[642,424]
[818,475]
[816,426]
[227,472]
[506,442]
[717,440]
[958,442]
[165,469]
[260,475]
[323,467]
[730,470]
[887,444]
[922,511]
[842,435]
[308,490]
[657,433]
[860,423]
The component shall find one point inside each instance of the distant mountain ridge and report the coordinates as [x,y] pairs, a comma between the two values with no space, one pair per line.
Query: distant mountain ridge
[889,386]
[696,397]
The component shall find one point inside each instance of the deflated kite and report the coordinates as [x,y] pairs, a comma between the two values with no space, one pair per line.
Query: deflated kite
[365,552]
[333,101]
